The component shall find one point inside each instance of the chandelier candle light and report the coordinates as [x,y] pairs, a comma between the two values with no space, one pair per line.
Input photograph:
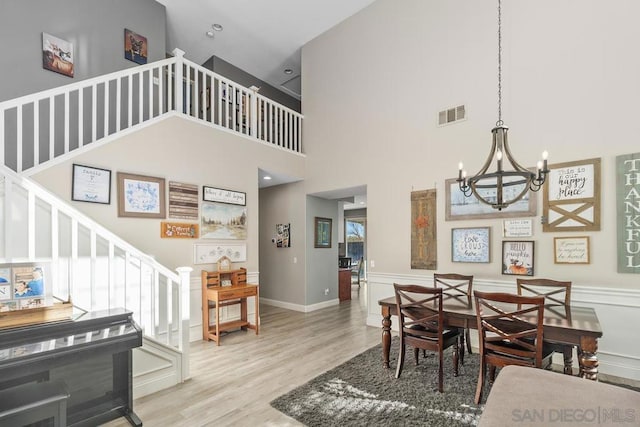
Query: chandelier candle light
[509,185]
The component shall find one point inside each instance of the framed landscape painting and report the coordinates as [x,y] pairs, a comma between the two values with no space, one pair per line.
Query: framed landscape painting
[460,207]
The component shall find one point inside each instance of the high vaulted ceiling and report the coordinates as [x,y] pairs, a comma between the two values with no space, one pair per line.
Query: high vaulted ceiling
[261,37]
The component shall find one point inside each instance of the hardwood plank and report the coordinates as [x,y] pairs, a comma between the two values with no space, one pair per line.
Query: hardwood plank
[232,384]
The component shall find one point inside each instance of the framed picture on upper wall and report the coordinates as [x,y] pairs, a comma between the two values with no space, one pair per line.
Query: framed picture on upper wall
[571,250]
[141,196]
[57,55]
[223,221]
[460,207]
[135,47]
[322,232]
[91,184]
[470,244]
[517,257]
[572,197]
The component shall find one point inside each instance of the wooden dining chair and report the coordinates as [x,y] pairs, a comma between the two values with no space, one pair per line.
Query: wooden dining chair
[510,332]
[422,326]
[460,288]
[557,296]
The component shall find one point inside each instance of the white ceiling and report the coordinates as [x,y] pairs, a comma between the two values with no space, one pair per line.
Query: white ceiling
[261,37]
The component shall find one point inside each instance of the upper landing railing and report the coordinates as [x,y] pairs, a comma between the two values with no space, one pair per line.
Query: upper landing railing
[44,126]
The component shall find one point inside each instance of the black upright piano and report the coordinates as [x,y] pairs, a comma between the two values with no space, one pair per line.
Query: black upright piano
[92,354]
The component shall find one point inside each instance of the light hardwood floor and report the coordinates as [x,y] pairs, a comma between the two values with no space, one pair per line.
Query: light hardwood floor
[232,385]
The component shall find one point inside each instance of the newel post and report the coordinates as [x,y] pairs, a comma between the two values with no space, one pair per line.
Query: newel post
[184,316]
[178,82]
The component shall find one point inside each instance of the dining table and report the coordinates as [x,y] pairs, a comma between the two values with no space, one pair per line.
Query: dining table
[564,324]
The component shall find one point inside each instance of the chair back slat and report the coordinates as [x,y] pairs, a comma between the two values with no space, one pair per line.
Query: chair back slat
[555,292]
[510,328]
[453,285]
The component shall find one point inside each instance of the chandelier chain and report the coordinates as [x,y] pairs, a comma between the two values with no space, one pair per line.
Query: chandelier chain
[499,122]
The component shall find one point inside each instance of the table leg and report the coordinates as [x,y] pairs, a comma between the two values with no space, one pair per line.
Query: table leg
[567,355]
[588,358]
[386,336]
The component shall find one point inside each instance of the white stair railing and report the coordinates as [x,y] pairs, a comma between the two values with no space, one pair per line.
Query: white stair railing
[89,264]
[45,126]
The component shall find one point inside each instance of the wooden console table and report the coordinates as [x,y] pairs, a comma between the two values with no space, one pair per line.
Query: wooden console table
[214,295]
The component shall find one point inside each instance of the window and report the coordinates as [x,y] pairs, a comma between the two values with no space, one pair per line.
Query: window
[355,238]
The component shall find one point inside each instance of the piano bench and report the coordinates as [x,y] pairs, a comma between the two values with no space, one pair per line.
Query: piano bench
[33,402]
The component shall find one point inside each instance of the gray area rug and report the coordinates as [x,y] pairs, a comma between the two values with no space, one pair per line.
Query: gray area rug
[361,392]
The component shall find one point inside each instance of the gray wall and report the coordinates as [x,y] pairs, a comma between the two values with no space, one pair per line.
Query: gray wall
[230,71]
[322,263]
[95,27]
[282,279]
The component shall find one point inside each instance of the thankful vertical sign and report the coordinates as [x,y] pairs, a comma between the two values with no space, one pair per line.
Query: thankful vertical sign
[628,207]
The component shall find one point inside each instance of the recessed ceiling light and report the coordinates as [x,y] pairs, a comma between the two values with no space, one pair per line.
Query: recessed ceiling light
[267,177]
[288,71]
[209,33]
[217,27]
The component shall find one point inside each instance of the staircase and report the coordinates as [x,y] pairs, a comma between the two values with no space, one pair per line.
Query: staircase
[86,262]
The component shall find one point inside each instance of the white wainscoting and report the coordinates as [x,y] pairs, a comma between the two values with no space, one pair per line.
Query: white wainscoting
[618,311]
[226,313]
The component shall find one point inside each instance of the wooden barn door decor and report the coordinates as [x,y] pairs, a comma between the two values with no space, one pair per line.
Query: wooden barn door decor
[572,197]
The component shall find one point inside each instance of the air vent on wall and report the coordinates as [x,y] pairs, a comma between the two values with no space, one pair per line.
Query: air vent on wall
[451,115]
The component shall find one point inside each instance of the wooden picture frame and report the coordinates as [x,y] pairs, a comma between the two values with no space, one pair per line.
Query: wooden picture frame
[460,207]
[90,184]
[571,250]
[471,244]
[220,195]
[141,196]
[322,232]
[571,197]
[518,257]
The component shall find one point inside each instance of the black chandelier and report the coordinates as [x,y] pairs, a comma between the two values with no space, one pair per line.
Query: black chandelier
[501,188]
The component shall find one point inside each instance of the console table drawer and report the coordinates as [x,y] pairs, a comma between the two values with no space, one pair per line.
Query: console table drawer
[236,293]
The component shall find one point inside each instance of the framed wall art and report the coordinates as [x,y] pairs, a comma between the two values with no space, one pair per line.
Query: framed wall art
[140,196]
[283,235]
[210,253]
[627,212]
[223,221]
[470,244]
[424,243]
[135,47]
[572,197]
[57,55]
[91,184]
[211,194]
[517,228]
[571,250]
[460,207]
[322,232]
[183,201]
[517,257]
